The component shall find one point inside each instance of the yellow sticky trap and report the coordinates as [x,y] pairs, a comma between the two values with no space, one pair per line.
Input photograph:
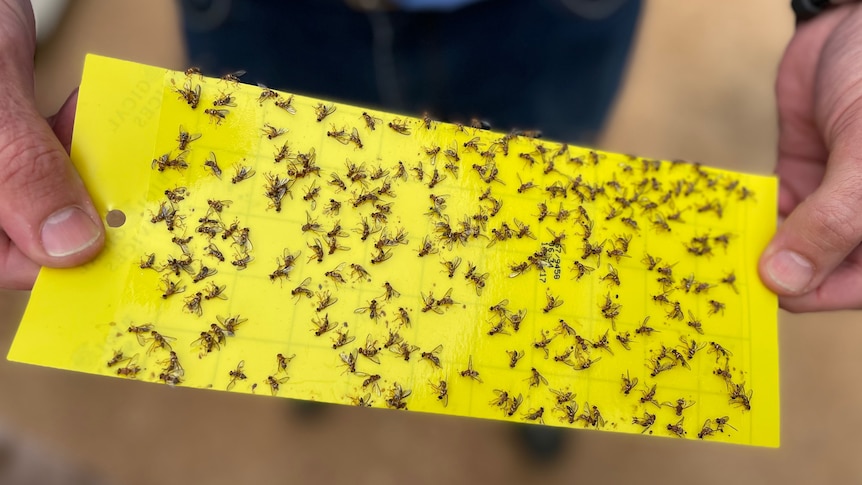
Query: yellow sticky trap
[285,245]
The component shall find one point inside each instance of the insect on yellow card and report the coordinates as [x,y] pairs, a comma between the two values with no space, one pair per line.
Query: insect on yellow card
[288,246]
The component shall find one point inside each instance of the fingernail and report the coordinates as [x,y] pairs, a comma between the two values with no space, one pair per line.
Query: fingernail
[68,231]
[790,270]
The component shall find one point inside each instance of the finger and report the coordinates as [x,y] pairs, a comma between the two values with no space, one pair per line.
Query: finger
[44,208]
[17,271]
[814,237]
[842,289]
[798,178]
[823,229]
[802,154]
[63,122]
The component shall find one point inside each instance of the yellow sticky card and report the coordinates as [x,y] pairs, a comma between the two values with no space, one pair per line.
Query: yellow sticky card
[289,246]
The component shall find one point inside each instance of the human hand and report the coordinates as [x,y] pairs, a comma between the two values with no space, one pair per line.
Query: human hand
[814,261]
[46,216]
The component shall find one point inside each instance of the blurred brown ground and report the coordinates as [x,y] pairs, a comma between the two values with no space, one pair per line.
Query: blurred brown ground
[700,88]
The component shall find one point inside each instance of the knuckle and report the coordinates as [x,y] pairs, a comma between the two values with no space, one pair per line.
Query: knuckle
[833,226]
[842,122]
[28,167]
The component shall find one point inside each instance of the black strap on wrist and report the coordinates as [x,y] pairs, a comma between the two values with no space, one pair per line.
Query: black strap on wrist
[808,9]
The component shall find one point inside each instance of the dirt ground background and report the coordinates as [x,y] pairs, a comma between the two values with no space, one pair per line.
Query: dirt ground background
[700,88]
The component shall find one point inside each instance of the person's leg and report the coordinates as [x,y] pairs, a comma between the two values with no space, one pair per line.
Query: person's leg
[320,48]
[530,65]
[527,64]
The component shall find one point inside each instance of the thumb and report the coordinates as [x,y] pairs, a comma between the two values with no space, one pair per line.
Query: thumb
[825,227]
[44,208]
